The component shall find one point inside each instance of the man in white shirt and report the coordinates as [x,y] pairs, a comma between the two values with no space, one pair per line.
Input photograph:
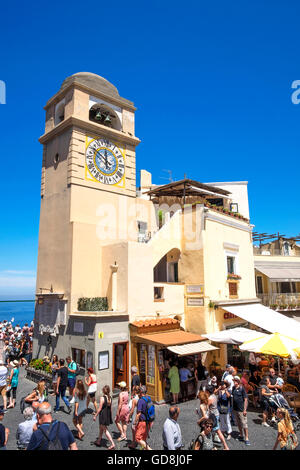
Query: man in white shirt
[229,378]
[226,372]
[171,432]
[3,377]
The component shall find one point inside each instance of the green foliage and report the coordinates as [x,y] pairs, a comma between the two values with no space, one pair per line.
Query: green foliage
[94,304]
[39,364]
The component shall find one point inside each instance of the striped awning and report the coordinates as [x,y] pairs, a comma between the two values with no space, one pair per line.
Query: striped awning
[192,348]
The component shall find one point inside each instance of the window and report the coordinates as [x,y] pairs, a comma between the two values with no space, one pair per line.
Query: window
[259,285]
[78,355]
[59,112]
[142,231]
[231,265]
[158,293]
[172,272]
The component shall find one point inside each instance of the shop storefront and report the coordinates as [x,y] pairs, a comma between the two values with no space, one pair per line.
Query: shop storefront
[154,344]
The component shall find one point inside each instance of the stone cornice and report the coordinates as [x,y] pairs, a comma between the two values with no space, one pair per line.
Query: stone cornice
[122,102]
[226,221]
[90,127]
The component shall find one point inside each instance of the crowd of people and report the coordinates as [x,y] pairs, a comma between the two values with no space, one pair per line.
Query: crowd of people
[17,342]
[223,403]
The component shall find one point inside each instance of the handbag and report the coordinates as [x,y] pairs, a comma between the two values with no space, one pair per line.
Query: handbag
[291,441]
[223,409]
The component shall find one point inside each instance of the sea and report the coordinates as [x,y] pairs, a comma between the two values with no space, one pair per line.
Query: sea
[21,311]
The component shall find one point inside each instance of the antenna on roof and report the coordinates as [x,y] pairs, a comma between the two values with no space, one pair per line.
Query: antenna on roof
[170,179]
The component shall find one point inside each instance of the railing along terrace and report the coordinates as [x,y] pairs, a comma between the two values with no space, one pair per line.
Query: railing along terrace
[274,252]
[281,301]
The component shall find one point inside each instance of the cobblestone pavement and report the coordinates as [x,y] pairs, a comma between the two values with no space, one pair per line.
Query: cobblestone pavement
[261,438]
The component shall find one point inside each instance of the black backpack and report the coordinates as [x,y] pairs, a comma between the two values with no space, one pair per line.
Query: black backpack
[55,444]
[192,444]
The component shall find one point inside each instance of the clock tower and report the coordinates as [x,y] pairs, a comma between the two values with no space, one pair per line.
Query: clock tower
[88,186]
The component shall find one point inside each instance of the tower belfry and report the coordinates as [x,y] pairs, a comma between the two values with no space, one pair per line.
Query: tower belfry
[88,170]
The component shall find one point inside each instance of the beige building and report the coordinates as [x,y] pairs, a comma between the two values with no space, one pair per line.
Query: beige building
[125,276]
[277,275]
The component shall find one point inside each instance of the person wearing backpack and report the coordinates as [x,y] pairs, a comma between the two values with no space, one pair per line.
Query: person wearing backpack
[205,439]
[72,372]
[50,435]
[286,436]
[142,419]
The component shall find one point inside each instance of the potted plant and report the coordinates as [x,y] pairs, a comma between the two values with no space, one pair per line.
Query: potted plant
[233,276]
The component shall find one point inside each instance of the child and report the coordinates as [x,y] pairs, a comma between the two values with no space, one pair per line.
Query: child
[279,380]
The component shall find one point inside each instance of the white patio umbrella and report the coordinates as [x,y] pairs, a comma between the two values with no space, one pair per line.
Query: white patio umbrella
[233,335]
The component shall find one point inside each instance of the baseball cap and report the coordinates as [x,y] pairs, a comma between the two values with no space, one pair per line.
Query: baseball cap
[228,365]
[237,378]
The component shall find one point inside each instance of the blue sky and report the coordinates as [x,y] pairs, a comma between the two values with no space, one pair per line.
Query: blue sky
[214,77]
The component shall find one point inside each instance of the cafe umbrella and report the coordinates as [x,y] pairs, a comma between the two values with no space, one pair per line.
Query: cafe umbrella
[275,344]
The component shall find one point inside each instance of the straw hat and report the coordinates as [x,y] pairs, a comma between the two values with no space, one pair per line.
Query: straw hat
[15,363]
[122,384]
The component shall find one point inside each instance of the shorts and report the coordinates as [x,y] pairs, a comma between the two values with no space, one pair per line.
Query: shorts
[141,432]
[92,395]
[13,390]
[3,390]
[240,419]
[265,404]
[217,426]
[72,382]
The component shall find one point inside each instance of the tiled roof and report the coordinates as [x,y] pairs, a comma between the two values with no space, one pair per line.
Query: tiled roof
[156,322]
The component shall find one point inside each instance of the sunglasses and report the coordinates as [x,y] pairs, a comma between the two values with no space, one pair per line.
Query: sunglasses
[208,425]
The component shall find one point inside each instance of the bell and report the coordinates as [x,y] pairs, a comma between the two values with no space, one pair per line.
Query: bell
[107,120]
[98,116]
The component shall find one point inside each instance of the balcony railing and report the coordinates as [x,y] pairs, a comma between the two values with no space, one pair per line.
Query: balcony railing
[274,252]
[281,301]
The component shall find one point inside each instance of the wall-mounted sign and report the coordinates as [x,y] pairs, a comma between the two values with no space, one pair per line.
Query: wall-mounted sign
[228,315]
[103,360]
[101,334]
[234,207]
[195,289]
[195,301]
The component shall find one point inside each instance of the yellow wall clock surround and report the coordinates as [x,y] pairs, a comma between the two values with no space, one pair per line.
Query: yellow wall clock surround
[104,161]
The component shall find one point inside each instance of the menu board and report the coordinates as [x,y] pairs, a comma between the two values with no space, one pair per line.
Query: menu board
[103,359]
[151,365]
[142,359]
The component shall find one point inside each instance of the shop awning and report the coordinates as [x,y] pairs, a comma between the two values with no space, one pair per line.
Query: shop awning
[233,335]
[265,318]
[192,348]
[280,274]
[169,338]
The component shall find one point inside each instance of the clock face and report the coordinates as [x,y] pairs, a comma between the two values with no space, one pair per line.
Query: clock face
[105,161]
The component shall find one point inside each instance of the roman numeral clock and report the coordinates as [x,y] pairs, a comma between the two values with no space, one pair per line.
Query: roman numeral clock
[105,162]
